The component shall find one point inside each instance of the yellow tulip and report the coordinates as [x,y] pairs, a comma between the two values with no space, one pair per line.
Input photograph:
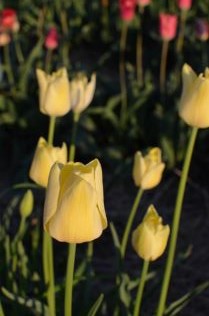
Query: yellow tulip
[74,208]
[54,92]
[150,238]
[26,204]
[44,158]
[148,170]
[194,102]
[82,92]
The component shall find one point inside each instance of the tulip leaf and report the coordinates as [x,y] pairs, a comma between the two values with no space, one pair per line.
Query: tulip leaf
[96,305]
[115,237]
[35,306]
[175,307]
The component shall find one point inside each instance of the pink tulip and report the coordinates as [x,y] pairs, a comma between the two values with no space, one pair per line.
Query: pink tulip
[202,29]
[168,26]
[143,3]
[184,4]
[127,9]
[8,20]
[51,40]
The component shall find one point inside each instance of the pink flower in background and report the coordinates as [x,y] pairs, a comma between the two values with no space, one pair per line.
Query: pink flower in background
[4,38]
[168,26]
[184,4]
[127,9]
[202,29]
[51,40]
[143,3]
[9,20]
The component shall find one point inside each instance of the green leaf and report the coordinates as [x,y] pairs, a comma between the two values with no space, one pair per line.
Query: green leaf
[175,307]
[35,306]
[96,305]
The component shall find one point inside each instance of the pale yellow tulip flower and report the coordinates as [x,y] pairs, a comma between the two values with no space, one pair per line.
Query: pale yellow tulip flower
[54,92]
[74,207]
[194,102]
[148,170]
[150,238]
[82,92]
[44,158]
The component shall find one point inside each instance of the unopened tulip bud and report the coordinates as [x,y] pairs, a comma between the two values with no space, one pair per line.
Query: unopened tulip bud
[143,3]
[54,92]
[5,38]
[193,106]
[127,9]
[168,26]
[44,158]
[82,92]
[51,40]
[150,238]
[74,207]
[184,4]
[8,19]
[26,205]
[148,170]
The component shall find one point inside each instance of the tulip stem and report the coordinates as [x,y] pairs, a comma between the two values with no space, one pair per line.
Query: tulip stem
[73,137]
[163,65]
[8,65]
[141,288]
[48,60]
[122,72]
[139,50]
[180,41]
[1,310]
[52,124]
[69,280]
[130,222]
[176,221]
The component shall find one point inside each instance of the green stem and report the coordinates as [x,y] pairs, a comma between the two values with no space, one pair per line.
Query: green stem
[180,40]
[130,222]
[18,50]
[139,56]
[1,310]
[176,221]
[163,65]
[122,72]
[51,130]
[73,137]
[69,280]
[48,60]
[8,65]
[141,288]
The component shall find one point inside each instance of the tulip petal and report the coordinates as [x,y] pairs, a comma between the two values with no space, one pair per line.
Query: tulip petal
[152,177]
[42,82]
[90,89]
[139,168]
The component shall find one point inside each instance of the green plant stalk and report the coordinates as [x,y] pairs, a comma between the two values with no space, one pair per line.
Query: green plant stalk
[48,60]
[180,40]
[163,65]
[141,288]
[18,50]
[1,310]
[69,280]
[8,65]
[139,50]
[130,222]
[48,262]
[122,73]
[73,137]
[176,221]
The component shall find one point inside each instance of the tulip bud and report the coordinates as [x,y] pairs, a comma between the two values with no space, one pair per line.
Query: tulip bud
[5,38]
[127,9]
[143,3]
[74,207]
[168,26]
[26,205]
[44,158]
[202,29]
[148,170]
[82,92]
[150,238]
[8,19]
[193,106]
[184,4]
[51,40]
[54,92]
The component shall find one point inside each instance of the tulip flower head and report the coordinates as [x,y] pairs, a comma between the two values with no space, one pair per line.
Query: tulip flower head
[82,92]
[168,26]
[202,29]
[26,205]
[9,20]
[150,238]
[127,9]
[44,158]
[148,170]
[184,4]
[143,3]
[54,92]
[74,207]
[194,102]
[5,38]
[51,40]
